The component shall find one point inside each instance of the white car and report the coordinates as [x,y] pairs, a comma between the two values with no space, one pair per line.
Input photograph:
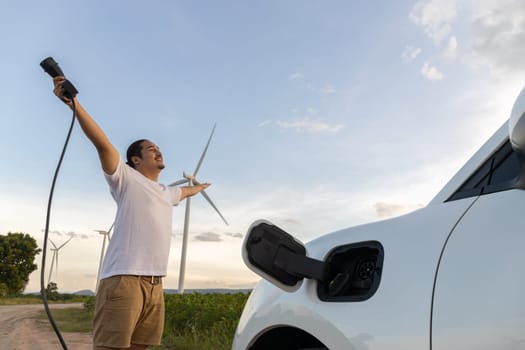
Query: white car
[448,276]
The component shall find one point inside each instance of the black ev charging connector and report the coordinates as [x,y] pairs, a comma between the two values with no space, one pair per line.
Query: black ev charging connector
[348,273]
[52,68]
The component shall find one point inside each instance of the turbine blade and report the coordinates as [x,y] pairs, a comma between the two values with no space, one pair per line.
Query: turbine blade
[205,195]
[70,238]
[52,243]
[204,152]
[180,182]
[106,233]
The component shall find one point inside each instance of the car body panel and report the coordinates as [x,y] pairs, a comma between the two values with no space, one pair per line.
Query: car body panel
[382,322]
[480,284]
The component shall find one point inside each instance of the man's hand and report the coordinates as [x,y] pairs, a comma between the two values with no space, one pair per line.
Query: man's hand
[199,185]
[188,191]
[59,90]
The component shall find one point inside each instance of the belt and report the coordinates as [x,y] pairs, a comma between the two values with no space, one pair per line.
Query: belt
[152,279]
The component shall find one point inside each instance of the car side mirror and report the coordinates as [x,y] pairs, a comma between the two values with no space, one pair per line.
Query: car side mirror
[517,125]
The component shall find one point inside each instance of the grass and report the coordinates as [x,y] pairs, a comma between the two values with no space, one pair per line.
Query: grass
[73,320]
[20,300]
[36,299]
[201,321]
[193,321]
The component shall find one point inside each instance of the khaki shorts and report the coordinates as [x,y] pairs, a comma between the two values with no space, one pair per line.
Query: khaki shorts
[129,310]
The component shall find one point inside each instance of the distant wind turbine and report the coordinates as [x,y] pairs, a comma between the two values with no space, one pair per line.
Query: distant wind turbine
[102,252]
[54,258]
[189,179]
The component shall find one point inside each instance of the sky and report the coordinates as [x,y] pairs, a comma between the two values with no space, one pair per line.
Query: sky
[329,114]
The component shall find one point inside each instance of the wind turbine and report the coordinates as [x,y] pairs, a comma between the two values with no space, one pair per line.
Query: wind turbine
[106,236]
[54,258]
[189,179]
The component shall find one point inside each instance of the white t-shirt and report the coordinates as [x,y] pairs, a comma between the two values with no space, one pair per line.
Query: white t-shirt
[141,239]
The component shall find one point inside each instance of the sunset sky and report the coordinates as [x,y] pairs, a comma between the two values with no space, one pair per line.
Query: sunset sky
[329,114]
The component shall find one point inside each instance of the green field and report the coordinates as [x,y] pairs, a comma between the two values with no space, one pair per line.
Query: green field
[36,299]
[69,320]
[202,321]
[193,321]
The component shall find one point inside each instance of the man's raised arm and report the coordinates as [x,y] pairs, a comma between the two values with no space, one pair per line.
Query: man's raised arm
[107,153]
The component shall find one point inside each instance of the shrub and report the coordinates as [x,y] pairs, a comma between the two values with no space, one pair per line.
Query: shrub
[89,304]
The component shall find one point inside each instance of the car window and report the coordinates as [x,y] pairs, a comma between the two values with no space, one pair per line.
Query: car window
[498,173]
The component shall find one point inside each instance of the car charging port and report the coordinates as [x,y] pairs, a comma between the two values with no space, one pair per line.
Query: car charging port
[355,272]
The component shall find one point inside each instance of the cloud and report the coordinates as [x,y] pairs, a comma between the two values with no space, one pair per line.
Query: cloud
[208,237]
[296,76]
[77,235]
[309,125]
[311,111]
[327,90]
[292,221]
[498,34]
[431,72]
[451,50]
[493,40]
[264,123]
[435,17]
[410,53]
[69,234]
[234,234]
[387,210]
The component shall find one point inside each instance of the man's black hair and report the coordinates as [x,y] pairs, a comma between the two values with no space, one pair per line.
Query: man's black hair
[134,151]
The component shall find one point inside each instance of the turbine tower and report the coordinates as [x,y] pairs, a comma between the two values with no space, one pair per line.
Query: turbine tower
[107,236]
[54,258]
[189,179]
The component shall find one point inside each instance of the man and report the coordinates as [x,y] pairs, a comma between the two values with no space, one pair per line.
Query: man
[129,312]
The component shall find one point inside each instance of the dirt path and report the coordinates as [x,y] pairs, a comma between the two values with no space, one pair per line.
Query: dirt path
[18,331]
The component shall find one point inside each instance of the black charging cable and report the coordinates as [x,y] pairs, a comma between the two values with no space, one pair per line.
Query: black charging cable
[43,290]
[52,68]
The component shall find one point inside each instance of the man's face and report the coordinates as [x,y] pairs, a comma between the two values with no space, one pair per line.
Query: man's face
[151,156]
